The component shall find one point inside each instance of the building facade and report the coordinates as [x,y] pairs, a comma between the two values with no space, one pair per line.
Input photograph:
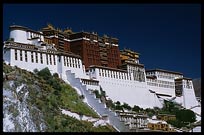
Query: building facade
[59,38]
[94,62]
[95,50]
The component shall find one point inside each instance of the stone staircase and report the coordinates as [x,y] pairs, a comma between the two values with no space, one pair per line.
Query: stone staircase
[96,105]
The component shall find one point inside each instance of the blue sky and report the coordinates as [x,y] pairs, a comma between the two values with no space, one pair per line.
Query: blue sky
[168,36]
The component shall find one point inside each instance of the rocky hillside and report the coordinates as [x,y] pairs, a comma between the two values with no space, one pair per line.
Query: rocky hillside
[32,102]
[197,87]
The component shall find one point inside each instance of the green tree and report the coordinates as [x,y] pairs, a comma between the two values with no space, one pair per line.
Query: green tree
[45,73]
[185,116]
[56,75]
[136,108]
[118,107]
[54,83]
[117,103]
[97,93]
[35,71]
[126,106]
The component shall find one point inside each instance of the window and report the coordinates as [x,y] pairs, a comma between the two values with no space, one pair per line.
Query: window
[36,57]
[70,62]
[21,57]
[41,58]
[54,59]
[50,59]
[26,57]
[78,63]
[73,61]
[99,72]
[47,59]
[32,59]
[65,61]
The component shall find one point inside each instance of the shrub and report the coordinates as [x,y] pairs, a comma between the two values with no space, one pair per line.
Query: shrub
[186,115]
[97,93]
[45,73]
[56,75]
[35,71]
[117,103]
[126,106]
[136,108]
[118,107]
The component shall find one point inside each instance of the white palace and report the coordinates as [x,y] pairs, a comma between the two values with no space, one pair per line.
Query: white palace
[29,49]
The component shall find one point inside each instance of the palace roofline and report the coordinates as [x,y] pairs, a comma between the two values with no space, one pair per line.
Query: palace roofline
[108,68]
[183,78]
[162,70]
[23,28]
[136,64]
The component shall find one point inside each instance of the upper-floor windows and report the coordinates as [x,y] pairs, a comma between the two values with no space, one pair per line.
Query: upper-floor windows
[16,55]
[26,56]
[21,55]
[36,57]
[32,59]
[41,58]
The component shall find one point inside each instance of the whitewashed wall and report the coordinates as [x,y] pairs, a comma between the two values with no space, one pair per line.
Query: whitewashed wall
[19,36]
[92,87]
[128,91]
[23,36]
[29,65]
[79,72]
[162,90]
[189,96]
[7,55]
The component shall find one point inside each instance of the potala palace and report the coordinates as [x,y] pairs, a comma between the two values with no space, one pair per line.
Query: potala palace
[94,62]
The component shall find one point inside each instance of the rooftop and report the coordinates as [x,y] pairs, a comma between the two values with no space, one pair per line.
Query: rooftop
[185,78]
[108,68]
[162,70]
[12,27]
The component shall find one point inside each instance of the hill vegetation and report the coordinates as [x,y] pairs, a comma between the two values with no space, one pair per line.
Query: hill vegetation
[47,94]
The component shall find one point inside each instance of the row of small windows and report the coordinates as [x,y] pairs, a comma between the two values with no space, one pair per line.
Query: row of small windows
[71,62]
[150,73]
[49,57]
[89,83]
[34,35]
[168,75]
[131,69]
[48,41]
[113,74]
[187,86]
[151,80]
[188,83]
[24,46]
[152,84]
[166,86]
[138,76]
[160,85]
[160,81]
[165,82]
[165,76]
